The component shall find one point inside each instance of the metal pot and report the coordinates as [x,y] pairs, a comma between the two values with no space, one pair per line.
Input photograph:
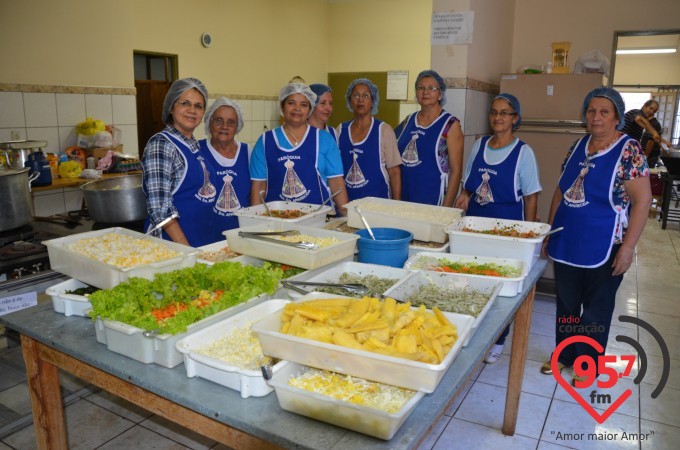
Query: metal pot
[15,198]
[116,200]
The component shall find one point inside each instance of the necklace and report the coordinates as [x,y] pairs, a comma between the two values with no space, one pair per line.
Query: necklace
[290,133]
[593,149]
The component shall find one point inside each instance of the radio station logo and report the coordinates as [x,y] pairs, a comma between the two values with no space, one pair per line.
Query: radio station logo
[586,367]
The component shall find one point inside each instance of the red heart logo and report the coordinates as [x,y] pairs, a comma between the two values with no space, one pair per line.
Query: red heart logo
[599,418]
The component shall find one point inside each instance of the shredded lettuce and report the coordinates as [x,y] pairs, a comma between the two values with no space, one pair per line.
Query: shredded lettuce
[132,302]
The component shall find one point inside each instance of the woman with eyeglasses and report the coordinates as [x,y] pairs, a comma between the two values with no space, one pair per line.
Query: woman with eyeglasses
[229,158]
[176,176]
[431,146]
[368,146]
[602,200]
[323,108]
[296,162]
[501,178]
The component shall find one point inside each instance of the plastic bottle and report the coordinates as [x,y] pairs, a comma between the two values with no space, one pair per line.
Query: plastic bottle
[90,162]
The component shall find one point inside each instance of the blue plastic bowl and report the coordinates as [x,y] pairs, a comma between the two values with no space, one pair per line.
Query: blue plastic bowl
[390,247]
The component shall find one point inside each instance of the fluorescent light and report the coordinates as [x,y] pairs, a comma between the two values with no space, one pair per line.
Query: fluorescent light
[641,51]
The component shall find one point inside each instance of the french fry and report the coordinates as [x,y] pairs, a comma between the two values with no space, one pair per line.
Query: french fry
[346,340]
[368,326]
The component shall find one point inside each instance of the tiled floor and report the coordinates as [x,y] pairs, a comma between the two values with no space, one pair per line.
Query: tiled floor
[549,418]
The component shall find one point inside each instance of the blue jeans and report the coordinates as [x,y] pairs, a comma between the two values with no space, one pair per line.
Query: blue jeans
[504,334]
[594,291]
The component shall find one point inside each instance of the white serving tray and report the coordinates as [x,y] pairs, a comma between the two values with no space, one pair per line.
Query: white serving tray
[410,285]
[401,372]
[480,244]
[511,286]
[298,257]
[373,422]
[69,304]
[107,276]
[130,341]
[215,246]
[248,382]
[426,222]
[332,274]
[253,215]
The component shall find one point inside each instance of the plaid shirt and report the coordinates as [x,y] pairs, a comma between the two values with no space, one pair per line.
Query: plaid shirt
[163,169]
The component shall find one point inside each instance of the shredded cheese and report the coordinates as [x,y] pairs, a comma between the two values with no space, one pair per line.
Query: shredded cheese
[122,250]
[240,348]
[421,213]
[353,390]
[320,241]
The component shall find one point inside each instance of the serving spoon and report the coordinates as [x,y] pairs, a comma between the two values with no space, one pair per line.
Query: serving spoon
[354,288]
[266,208]
[328,200]
[363,219]
[548,233]
[159,225]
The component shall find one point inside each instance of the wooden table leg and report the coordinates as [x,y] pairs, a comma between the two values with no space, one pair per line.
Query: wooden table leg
[48,409]
[520,339]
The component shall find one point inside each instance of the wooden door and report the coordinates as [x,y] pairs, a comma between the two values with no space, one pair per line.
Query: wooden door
[668,100]
[150,96]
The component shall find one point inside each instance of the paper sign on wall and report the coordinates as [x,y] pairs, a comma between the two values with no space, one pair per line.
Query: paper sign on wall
[397,85]
[452,28]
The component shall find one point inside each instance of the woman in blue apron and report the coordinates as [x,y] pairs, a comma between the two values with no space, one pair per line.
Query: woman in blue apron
[368,147]
[322,109]
[431,146]
[176,176]
[602,200]
[501,177]
[296,162]
[229,158]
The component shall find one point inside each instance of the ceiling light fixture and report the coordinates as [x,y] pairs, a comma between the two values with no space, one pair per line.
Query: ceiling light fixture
[643,51]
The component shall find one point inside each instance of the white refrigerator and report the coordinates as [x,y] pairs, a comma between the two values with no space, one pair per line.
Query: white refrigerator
[551,122]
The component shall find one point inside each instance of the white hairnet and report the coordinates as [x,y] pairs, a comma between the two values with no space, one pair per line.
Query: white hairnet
[222,101]
[177,88]
[375,95]
[297,88]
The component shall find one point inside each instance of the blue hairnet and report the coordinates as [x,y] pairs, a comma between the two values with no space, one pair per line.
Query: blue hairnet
[297,88]
[438,79]
[178,88]
[613,96]
[222,101]
[319,89]
[374,93]
[514,103]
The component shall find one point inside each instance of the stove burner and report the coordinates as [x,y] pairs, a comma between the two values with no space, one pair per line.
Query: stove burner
[20,248]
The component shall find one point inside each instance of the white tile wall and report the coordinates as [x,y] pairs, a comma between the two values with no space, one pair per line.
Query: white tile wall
[99,106]
[12,110]
[70,109]
[41,110]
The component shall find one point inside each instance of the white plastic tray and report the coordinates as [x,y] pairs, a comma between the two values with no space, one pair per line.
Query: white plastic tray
[414,375]
[307,259]
[69,304]
[426,222]
[130,341]
[373,422]
[332,274]
[215,246]
[253,215]
[511,286]
[107,276]
[248,382]
[410,285]
[414,249]
[480,244]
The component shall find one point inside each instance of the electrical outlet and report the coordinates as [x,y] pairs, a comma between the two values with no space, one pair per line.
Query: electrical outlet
[15,135]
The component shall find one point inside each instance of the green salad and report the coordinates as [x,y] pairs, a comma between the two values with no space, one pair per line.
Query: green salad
[174,300]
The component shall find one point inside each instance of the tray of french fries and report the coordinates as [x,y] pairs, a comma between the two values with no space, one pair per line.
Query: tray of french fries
[368,338]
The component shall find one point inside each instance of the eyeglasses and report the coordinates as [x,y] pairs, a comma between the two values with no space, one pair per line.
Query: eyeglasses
[364,96]
[187,104]
[503,114]
[427,88]
[220,122]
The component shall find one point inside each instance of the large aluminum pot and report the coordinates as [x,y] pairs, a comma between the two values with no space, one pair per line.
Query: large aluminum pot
[115,200]
[15,198]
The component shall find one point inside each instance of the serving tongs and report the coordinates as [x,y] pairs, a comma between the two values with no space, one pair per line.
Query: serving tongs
[158,226]
[353,288]
[262,236]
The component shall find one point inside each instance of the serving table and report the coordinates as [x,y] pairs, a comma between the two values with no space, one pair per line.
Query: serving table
[51,341]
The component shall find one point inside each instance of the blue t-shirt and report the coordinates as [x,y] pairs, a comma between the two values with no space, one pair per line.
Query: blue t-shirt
[329,162]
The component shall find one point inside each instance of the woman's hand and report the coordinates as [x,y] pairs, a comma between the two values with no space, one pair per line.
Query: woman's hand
[463,200]
[622,260]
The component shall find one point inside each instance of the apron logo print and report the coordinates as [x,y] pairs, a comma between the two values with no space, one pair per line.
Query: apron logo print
[587,368]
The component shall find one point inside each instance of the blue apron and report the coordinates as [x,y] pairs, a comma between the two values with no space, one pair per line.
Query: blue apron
[587,206]
[424,169]
[493,187]
[292,174]
[366,175]
[233,189]
[194,195]
[333,133]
